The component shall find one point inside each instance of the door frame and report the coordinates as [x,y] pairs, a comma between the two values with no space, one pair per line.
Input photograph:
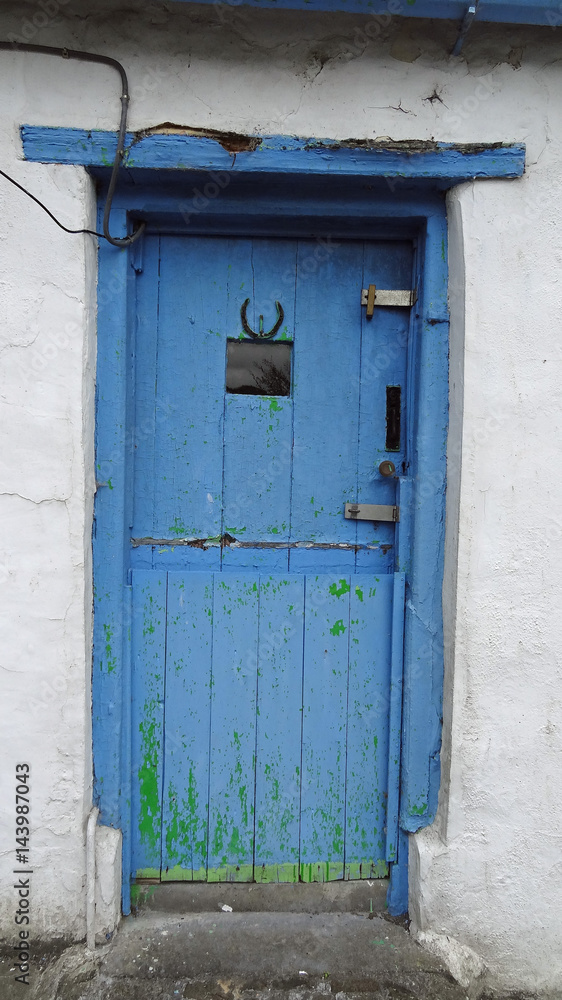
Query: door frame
[363,211]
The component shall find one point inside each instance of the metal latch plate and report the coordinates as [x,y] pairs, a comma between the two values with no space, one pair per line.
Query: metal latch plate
[372,512]
[390,297]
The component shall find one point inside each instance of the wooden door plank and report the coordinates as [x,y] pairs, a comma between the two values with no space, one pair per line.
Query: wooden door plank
[233,728]
[395,717]
[189,644]
[273,278]
[279,721]
[142,434]
[309,560]
[190,388]
[326,393]
[262,560]
[371,601]
[326,655]
[258,435]
[147,694]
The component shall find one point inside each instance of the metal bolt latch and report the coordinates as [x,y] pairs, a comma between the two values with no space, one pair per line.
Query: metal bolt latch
[373,296]
[372,512]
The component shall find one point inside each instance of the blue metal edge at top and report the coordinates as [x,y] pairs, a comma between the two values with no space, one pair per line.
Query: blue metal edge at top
[538,12]
[414,159]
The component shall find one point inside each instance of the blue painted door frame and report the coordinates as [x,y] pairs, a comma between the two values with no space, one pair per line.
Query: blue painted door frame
[347,210]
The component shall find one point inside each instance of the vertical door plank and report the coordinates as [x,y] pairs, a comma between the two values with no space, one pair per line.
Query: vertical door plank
[326,392]
[189,385]
[367,728]
[258,432]
[188,718]
[258,436]
[384,341]
[395,717]
[233,728]
[270,278]
[279,721]
[142,434]
[326,654]
[147,693]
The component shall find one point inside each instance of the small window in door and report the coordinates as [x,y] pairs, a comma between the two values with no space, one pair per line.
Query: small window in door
[255,368]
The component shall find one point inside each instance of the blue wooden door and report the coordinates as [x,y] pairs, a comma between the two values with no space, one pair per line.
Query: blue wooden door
[267,627]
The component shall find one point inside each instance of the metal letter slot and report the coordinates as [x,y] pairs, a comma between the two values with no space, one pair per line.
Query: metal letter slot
[372,512]
[373,296]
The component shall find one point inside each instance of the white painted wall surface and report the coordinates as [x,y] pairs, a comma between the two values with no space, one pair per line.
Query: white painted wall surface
[488,874]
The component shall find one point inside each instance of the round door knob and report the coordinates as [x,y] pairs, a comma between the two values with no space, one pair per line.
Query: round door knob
[387,468]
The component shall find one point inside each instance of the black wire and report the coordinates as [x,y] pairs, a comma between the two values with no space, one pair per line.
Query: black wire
[107,61]
[90,232]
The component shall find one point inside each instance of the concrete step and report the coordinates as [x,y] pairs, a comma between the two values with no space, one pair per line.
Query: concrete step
[325,953]
[316,897]
[241,956]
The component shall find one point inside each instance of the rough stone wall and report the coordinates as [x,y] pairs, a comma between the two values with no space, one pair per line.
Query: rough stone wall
[488,873]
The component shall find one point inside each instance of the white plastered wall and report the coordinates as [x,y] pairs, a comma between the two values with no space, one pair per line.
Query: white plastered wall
[488,873]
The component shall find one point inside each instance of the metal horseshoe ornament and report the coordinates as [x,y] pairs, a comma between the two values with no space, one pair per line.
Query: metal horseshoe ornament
[261,333]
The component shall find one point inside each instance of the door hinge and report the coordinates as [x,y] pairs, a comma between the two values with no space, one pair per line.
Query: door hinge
[372,512]
[373,296]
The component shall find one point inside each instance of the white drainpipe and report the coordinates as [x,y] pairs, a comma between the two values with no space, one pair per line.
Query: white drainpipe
[91,879]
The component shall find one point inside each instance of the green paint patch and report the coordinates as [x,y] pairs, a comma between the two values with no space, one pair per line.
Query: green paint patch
[276,873]
[274,406]
[178,528]
[186,832]
[110,659]
[180,874]
[419,810]
[366,869]
[140,894]
[321,871]
[343,588]
[231,873]
[338,628]
[359,593]
[149,820]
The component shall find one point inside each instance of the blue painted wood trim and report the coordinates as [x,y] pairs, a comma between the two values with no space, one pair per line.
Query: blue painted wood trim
[425,482]
[423,633]
[503,11]
[395,717]
[397,895]
[111,659]
[278,155]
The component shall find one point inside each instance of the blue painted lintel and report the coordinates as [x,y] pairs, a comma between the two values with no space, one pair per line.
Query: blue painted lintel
[416,160]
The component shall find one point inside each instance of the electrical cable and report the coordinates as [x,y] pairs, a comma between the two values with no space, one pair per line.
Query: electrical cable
[107,61]
[90,232]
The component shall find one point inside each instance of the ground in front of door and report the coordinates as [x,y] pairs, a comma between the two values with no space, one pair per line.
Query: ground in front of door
[248,955]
